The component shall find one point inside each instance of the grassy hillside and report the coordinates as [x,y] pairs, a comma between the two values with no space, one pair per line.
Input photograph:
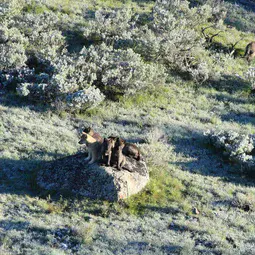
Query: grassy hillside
[196,202]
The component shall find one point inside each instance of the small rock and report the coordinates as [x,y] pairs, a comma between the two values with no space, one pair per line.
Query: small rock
[64,246]
[195,211]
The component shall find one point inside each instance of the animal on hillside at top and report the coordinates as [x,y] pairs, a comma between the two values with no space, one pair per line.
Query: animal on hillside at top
[94,147]
[250,51]
[91,132]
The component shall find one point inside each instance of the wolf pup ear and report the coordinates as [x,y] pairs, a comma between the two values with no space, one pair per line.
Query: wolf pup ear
[86,129]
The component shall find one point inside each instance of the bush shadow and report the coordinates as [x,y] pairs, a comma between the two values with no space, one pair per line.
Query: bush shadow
[205,160]
[231,99]
[12,100]
[229,83]
[241,118]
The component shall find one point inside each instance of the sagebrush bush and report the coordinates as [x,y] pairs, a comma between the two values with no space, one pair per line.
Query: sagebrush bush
[237,147]
[116,54]
[85,99]
[170,36]
[122,71]
[110,25]
[176,26]
[173,38]
[113,72]
[12,48]
[43,33]
[70,83]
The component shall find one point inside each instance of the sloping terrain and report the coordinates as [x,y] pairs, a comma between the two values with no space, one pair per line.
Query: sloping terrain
[186,174]
[196,202]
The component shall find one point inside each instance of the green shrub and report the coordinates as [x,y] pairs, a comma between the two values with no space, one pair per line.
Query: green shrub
[110,25]
[12,48]
[70,85]
[43,33]
[236,147]
[122,71]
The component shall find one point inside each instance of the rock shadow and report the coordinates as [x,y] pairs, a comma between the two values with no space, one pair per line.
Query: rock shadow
[17,176]
[72,174]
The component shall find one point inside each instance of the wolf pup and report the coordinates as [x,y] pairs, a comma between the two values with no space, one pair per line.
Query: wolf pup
[131,150]
[107,149]
[91,132]
[117,155]
[94,147]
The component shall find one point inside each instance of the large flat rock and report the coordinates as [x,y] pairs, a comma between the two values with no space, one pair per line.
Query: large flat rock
[73,174]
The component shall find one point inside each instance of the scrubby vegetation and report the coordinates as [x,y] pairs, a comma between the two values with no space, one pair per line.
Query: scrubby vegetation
[160,72]
[120,53]
[237,147]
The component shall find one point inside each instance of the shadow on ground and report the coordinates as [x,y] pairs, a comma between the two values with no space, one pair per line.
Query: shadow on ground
[229,83]
[198,156]
[11,99]
[241,118]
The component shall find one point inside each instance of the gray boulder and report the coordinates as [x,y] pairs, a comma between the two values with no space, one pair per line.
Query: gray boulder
[94,181]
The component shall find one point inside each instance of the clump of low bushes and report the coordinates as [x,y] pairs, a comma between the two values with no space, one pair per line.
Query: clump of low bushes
[238,148]
[120,55]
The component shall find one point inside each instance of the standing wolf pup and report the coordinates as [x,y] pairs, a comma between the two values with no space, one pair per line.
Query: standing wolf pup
[112,144]
[117,156]
[107,149]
